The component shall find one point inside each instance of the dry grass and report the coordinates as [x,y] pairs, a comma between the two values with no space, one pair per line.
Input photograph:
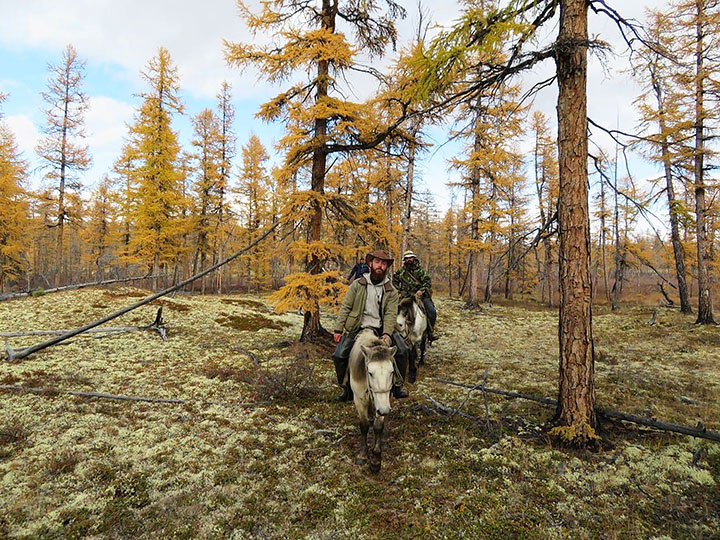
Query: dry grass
[284,467]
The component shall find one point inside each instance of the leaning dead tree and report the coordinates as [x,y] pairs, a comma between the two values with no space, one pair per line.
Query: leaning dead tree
[11,355]
[699,431]
[43,292]
[156,326]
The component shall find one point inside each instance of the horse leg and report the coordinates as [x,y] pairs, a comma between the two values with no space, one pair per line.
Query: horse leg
[376,453]
[412,370]
[423,343]
[362,454]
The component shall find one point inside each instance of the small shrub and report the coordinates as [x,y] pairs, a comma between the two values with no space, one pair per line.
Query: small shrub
[62,462]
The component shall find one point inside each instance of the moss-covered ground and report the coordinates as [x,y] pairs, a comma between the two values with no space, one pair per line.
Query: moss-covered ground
[259,449]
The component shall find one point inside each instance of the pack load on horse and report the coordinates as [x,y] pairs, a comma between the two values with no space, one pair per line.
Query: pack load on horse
[412,325]
[373,375]
[370,302]
[412,280]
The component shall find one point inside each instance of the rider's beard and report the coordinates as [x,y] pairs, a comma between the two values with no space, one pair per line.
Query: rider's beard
[377,275]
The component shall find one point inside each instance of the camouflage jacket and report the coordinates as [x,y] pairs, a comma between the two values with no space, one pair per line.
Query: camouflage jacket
[407,282]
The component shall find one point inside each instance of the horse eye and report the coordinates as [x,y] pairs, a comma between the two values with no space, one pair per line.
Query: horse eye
[370,374]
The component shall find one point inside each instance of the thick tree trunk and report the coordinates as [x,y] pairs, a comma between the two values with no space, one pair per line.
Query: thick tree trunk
[312,329]
[575,416]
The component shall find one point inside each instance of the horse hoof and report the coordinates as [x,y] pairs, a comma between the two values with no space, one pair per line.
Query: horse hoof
[375,467]
[412,376]
[360,460]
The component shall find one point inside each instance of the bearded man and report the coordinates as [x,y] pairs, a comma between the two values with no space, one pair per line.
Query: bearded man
[370,302]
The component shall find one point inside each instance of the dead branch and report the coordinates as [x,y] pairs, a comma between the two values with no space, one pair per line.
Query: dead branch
[43,292]
[12,355]
[449,411]
[116,397]
[669,300]
[653,320]
[156,326]
[699,431]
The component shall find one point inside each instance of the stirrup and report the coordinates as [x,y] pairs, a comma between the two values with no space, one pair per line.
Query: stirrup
[346,395]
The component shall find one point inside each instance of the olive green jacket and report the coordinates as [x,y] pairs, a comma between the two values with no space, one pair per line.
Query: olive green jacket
[353,306]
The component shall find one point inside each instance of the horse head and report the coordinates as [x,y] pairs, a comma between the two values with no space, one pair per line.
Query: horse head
[406,315]
[382,373]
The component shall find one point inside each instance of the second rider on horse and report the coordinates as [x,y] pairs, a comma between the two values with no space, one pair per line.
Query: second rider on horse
[413,280]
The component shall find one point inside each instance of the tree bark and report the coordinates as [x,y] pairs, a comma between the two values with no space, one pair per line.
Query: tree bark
[705,312]
[312,329]
[575,413]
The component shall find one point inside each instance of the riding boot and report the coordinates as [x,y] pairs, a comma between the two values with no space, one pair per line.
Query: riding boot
[431,333]
[341,365]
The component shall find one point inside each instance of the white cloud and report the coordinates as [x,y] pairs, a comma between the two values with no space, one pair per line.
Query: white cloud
[128,34]
[106,121]
[26,133]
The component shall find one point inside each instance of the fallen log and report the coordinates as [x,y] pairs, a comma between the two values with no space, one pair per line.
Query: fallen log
[699,431]
[116,397]
[12,355]
[156,326]
[43,292]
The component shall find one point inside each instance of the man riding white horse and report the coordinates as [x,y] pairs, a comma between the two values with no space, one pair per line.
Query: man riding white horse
[413,280]
[370,302]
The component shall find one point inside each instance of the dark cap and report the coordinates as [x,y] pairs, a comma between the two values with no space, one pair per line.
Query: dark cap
[379,254]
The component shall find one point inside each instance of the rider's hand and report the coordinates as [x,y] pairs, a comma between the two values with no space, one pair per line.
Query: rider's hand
[336,337]
[419,294]
[386,339]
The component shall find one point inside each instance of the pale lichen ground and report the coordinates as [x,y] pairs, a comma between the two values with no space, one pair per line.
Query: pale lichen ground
[273,456]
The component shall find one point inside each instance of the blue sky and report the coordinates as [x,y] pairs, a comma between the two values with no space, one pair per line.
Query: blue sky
[118,38]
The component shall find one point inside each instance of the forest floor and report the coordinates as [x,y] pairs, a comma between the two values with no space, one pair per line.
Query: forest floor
[260,449]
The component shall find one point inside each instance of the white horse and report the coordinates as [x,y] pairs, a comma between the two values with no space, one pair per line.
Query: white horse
[412,325]
[372,374]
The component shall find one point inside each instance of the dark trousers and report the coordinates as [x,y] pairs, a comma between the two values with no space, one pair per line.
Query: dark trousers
[430,310]
[341,356]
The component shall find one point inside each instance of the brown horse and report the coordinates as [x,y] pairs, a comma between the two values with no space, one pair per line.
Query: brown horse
[412,325]
[372,374]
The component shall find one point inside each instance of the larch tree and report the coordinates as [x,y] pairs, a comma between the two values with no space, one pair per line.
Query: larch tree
[98,231]
[545,167]
[158,192]
[319,121]
[658,105]
[253,189]
[61,149]
[450,59]
[226,113]
[697,38]
[14,224]
[208,187]
[124,181]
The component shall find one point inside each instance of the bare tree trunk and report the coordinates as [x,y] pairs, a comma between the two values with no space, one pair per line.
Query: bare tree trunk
[575,414]
[705,311]
[407,213]
[678,249]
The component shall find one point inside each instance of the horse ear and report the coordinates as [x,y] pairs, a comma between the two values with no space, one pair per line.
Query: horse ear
[365,351]
[392,350]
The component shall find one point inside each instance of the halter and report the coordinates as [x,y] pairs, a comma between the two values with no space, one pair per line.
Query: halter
[393,382]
